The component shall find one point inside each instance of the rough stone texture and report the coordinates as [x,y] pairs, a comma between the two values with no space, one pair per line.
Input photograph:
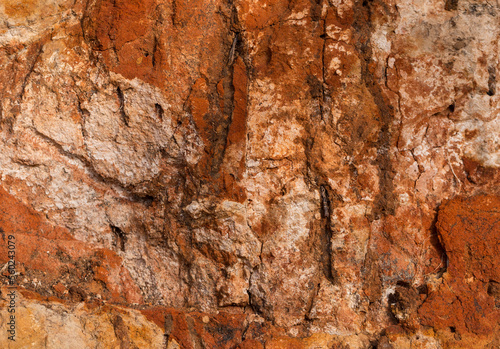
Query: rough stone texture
[467,298]
[251,174]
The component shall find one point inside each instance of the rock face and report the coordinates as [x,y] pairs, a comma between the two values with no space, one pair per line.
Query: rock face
[250,174]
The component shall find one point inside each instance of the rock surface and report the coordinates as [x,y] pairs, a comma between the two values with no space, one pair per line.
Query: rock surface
[251,174]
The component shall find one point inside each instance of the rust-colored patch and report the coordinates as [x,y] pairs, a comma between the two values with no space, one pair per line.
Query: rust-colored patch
[199,106]
[469,230]
[236,138]
[122,31]
[20,8]
[237,130]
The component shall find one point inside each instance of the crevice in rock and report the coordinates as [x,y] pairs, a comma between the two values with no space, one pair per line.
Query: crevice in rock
[451,5]
[245,330]
[159,112]
[451,107]
[34,59]
[317,92]
[121,100]
[310,305]
[83,112]
[120,237]
[155,51]
[494,291]
[492,81]
[438,246]
[222,123]
[385,202]
[232,51]
[327,233]
[112,34]
[174,13]
[221,126]
[323,72]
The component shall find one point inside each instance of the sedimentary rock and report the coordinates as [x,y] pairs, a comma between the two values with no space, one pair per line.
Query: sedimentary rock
[278,174]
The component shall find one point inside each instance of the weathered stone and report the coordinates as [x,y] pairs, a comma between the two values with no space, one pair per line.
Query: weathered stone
[466,300]
[278,174]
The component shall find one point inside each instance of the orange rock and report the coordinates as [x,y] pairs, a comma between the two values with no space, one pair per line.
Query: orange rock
[274,166]
[465,301]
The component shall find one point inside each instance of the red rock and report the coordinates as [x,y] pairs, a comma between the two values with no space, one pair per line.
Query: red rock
[469,231]
[252,173]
